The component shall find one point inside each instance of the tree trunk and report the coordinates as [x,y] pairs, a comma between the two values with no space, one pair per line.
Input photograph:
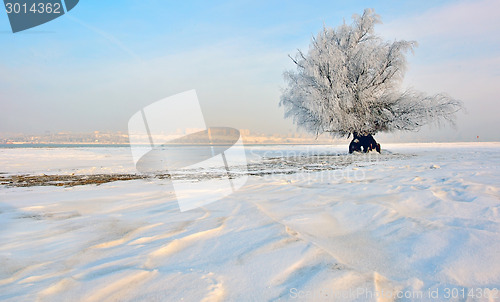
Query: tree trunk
[363,143]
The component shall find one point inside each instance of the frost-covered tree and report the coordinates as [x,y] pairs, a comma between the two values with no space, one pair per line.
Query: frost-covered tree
[349,82]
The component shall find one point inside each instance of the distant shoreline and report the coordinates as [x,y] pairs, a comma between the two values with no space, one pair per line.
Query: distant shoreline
[97,145]
[117,145]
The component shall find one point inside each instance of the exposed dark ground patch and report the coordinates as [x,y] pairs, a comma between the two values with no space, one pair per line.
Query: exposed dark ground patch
[64,180]
[267,166]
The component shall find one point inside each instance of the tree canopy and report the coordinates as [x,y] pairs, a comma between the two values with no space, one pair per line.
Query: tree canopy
[350,81]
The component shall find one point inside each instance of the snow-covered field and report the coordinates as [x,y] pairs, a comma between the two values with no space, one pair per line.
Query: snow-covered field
[419,222]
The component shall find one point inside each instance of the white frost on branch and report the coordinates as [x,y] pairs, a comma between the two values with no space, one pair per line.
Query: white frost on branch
[350,81]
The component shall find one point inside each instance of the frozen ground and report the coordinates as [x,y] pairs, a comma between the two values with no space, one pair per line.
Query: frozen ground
[420,221]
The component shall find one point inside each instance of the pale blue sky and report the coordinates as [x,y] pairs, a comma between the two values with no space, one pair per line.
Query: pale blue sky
[96,66]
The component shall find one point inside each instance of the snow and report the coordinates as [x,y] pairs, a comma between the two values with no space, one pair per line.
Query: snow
[66,160]
[419,219]
[350,81]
